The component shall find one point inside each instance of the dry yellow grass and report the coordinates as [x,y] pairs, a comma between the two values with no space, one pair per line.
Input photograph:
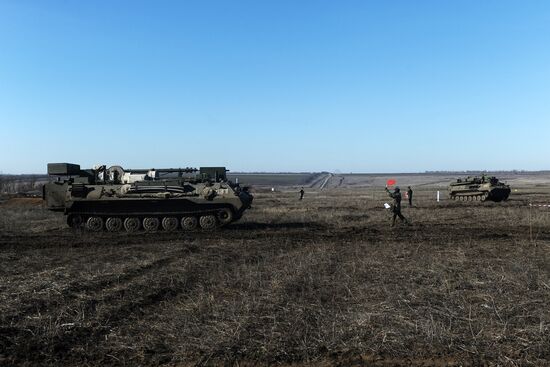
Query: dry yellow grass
[317,282]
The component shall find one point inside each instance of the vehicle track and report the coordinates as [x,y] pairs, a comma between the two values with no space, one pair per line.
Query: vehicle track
[83,307]
[319,181]
[75,289]
[325,182]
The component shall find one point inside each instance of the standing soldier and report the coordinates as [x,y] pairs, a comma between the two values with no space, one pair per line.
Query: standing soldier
[396,196]
[410,196]
[302,192]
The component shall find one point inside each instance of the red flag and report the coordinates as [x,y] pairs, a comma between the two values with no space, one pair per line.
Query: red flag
[391,182]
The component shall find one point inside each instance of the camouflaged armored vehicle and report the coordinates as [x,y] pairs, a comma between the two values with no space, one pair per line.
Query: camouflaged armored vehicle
[116,199]
[479,188]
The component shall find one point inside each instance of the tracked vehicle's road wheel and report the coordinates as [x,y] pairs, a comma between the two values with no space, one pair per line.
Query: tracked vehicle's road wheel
[189,223]
[208,222]
[151,224]
[131,224]
[113,224]
[484,197]
[170,224]
[94,224]
[74,220]
[225,216]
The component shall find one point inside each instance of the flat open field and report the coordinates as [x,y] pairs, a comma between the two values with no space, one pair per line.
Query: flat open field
[323,281]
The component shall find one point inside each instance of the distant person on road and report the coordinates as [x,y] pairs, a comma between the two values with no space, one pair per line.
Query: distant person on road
[396,209]
[302,192]
[410,195]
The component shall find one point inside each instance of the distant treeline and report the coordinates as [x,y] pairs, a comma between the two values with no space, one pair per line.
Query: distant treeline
[11,184]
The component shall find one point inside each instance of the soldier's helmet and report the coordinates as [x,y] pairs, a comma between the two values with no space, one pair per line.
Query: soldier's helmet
[397,189]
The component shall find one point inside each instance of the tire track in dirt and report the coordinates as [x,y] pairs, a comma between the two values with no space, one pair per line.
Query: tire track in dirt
[67,237]
[71,343]
[325,182]
[105,312]
[98,317]
[75,289]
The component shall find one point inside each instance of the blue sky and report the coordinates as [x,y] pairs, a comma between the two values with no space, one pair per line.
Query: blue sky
[360,86]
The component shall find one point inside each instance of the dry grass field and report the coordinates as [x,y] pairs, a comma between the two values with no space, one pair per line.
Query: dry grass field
[323,281]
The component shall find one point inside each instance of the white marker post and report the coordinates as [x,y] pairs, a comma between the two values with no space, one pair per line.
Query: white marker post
[438,196]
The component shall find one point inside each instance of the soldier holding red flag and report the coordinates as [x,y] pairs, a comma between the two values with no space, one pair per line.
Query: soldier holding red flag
[396,208]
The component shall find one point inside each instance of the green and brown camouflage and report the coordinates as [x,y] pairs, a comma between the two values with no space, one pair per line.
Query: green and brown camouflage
[479,188]
[130,199]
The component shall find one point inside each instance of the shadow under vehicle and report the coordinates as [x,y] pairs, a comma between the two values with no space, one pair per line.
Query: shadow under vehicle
[479,188]
[116,199]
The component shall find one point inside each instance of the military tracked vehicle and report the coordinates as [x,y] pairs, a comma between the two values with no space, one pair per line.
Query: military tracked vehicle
[479,188]
[116,199]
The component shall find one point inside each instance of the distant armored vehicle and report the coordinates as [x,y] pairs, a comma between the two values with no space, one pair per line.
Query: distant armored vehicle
[479,188]
[116,199]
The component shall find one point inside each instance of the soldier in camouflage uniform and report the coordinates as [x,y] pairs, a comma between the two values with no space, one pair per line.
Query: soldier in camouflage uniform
[396,209]
[410,196]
